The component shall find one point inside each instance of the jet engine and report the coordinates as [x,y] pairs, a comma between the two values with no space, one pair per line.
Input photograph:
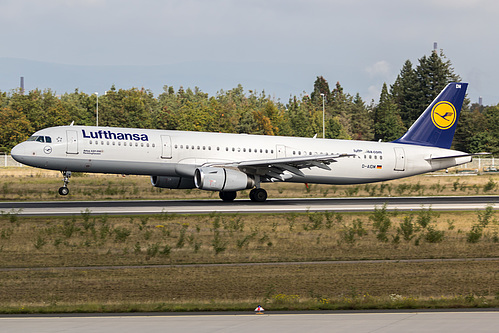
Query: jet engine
[172,182]
[221,179]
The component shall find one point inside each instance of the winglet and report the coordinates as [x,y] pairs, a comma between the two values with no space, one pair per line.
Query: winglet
[437,125]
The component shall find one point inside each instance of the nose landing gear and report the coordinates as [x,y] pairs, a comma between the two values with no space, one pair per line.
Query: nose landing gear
[64,190]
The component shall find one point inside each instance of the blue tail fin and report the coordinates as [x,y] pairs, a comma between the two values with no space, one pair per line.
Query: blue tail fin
[437,125]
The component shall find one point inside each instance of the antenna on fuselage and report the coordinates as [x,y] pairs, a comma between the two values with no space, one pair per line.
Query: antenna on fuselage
[72,123]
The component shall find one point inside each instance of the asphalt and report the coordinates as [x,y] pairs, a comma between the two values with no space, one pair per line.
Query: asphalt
[125,207]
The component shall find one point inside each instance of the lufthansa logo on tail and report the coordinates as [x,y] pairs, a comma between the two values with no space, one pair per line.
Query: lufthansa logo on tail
[443,115]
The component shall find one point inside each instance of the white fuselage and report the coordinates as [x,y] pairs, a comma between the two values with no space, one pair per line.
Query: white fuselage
[178,153]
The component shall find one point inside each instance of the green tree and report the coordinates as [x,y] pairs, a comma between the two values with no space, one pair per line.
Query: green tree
[388,125]
[405,93]
[433,74]
[15,128]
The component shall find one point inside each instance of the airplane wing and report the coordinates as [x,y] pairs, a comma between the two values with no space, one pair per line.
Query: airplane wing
[277,167]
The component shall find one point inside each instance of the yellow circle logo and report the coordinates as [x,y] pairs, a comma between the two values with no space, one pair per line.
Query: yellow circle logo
[443,115]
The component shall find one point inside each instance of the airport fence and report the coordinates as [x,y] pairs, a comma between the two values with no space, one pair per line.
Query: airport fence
[8,161]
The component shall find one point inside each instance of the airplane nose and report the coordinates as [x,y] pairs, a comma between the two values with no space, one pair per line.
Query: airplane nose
[18,152]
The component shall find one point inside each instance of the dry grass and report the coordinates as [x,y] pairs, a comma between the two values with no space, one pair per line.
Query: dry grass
[35,184]
[165,239]
[317,286]
[90,241]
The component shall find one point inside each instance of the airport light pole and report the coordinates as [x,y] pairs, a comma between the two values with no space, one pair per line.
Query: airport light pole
[323,117]
[97,109]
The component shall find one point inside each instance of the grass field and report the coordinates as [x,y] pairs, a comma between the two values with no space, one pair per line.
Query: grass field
[35,184]
[52,264]
[89,241]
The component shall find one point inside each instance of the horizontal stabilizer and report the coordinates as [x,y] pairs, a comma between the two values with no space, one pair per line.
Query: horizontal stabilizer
[454,156]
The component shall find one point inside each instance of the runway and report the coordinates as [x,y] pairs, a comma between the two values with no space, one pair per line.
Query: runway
[340,321]
[54,208]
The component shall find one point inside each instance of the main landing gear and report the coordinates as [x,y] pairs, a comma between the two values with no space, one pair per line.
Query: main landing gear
[256,195]
[64,190]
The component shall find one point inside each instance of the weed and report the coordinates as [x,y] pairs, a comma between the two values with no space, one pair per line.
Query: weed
[381,222]
[69,228]
[434,236]
[39,242]
[485,218]
[152,250]
[181,238]
[401,188]
[474,235]
[352,191]
[137,249]
[219,245]
[424,217]
[491,184]
[291,218]
[407,228]
[121,234]
[166,250]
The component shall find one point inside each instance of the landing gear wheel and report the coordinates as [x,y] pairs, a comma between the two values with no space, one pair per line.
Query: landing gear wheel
[63,190]
[228,196]
[258,195]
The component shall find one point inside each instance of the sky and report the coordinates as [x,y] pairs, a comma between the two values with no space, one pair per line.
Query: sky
[276,46]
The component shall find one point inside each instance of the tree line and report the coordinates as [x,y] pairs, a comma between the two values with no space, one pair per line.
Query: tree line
[236,111]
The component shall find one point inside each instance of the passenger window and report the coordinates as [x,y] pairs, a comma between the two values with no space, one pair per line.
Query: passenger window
[90,141]
[48,139]
[119,143]
[381,157]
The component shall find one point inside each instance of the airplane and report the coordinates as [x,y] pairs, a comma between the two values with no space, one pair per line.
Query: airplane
[228,163]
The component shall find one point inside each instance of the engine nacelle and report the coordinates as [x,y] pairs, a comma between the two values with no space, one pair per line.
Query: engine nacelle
[221,179]
[172,182]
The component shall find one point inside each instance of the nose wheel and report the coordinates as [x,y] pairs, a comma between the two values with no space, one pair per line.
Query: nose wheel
[64,190]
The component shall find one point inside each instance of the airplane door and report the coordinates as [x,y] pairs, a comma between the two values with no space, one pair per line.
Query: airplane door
[72,142]
[166,146]
[399,159]
[281,151]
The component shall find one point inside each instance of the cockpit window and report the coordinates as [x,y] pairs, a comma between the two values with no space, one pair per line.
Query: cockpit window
[40,138]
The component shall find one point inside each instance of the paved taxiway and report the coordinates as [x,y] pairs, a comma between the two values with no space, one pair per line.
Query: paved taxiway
[247,206]
[395,321]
